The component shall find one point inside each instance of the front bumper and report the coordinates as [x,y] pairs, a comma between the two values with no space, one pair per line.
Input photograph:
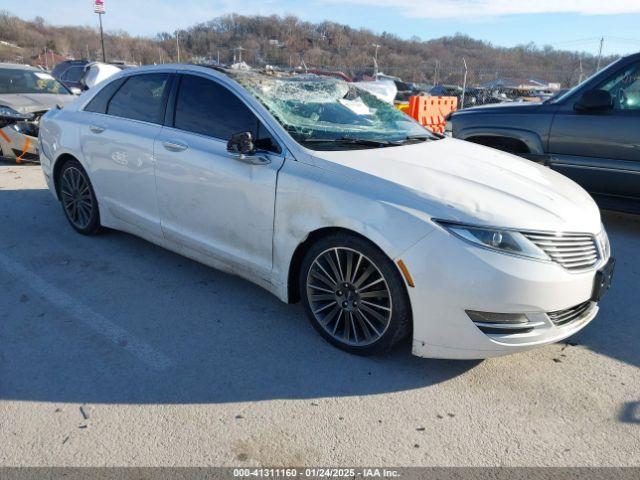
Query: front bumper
[452,276]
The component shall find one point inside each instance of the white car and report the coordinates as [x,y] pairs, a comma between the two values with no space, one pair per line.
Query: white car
[317,190]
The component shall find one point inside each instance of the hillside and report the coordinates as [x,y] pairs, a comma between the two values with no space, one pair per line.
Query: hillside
[288,41]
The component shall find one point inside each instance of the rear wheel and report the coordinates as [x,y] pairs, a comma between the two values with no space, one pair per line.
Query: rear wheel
[78,198]
[354,295]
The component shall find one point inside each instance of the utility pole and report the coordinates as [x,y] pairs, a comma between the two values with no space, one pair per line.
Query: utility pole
[178,44]
[464,83]
[600,54]
[98,7]
[239,50]
[581,71]
[375,59]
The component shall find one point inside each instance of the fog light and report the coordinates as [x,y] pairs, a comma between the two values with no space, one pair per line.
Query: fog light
[503,318]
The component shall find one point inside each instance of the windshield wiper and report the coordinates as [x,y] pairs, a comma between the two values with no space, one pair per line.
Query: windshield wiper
[422,138]
[431,136]
[354,141]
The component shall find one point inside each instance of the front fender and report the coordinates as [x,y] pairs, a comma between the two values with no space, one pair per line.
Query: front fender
[310,198]
[531,139]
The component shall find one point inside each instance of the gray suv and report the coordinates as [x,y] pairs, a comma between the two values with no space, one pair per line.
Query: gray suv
[590,133]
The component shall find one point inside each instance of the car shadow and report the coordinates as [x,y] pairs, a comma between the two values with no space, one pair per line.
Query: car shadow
[227,339]
[615,330]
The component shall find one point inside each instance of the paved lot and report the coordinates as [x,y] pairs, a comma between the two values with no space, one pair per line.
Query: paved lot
[116,352]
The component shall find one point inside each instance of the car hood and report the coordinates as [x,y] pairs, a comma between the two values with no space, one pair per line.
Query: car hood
[506,107]
[465,182]
[34,102]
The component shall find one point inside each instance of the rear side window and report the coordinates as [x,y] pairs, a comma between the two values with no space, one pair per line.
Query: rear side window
[98,104]
[142,97]
[206,107]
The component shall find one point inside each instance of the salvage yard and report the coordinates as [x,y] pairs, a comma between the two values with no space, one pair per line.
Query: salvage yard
[116,352]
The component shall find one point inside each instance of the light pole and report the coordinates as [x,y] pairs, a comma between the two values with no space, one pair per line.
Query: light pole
[104,55]
[98,7]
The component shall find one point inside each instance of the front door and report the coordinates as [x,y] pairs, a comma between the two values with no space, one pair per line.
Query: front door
[601,149]
[210,200]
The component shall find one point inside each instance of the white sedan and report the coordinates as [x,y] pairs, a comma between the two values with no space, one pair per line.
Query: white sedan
[320,192]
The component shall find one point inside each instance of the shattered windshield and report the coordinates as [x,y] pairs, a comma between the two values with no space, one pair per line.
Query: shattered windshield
[13,80]
[327,113]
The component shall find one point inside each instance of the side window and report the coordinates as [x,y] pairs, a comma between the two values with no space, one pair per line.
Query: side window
[140,98]
[206,107]
[624,87]
[264,140]
[98,104]
[73,74]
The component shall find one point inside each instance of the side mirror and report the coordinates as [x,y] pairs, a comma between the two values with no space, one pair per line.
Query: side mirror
[75,90]
[594,100]
[241,144]
[242,147]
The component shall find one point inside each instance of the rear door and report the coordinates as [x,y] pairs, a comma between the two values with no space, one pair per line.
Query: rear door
[209,200]
[601,149]
[122,123]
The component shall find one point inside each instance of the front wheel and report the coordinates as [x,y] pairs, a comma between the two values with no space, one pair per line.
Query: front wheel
[354,295]
[78,198]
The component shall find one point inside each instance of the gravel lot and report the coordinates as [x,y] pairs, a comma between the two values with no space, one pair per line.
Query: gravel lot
[116,352]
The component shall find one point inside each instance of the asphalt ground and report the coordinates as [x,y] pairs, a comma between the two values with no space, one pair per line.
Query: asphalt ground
[115,352]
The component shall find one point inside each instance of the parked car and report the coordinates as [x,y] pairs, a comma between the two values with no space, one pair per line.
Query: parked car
[26,93]
[317,190]
[70,73]
[589,133]
[96,72]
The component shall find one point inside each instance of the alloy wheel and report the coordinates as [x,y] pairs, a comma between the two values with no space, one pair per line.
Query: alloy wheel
[76,197]
[349,296]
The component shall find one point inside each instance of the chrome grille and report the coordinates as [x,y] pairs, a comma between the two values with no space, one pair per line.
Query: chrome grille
[562,317]
[574,251]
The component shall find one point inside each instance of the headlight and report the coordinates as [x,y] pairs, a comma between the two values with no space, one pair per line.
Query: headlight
[26,128]
[9,112]
[505,241]
[605,246]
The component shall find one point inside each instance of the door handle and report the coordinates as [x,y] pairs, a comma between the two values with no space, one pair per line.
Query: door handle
[96,129]
[174,146]
[256,159]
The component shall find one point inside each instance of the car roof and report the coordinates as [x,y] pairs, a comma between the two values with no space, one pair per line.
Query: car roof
[18,66]
[633,56]
[231,73]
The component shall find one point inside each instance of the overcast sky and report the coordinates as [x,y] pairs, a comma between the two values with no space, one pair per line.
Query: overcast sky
[565,24]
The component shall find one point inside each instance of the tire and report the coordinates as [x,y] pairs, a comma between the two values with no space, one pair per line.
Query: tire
[78,199]
[368,310]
